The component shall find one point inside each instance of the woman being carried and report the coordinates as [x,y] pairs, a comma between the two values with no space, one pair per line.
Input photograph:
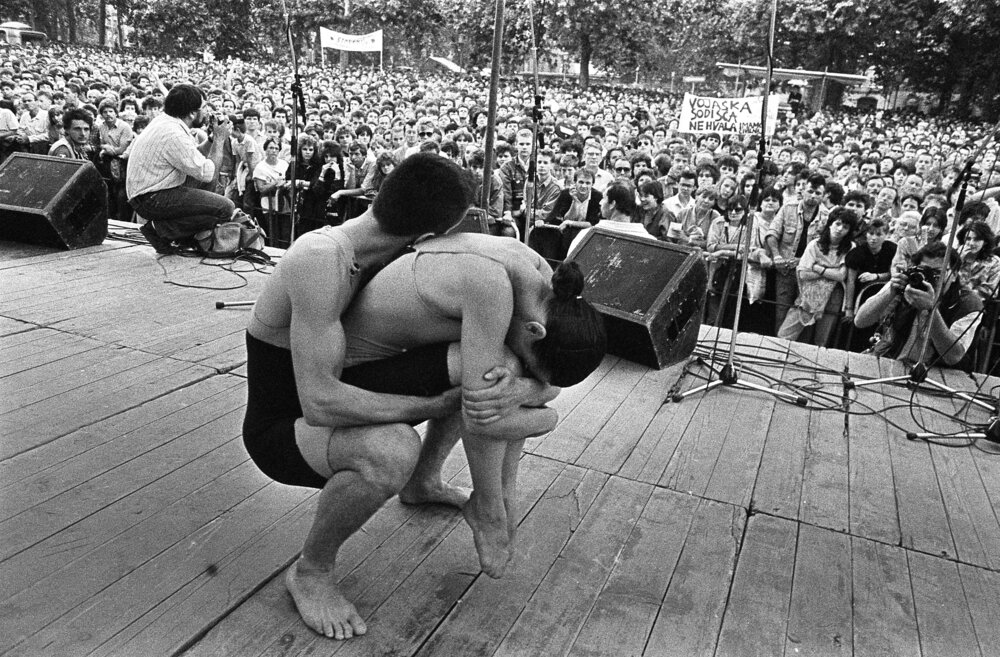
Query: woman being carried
[501,303]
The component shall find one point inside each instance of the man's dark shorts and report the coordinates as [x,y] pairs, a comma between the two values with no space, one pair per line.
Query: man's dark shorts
[273,401]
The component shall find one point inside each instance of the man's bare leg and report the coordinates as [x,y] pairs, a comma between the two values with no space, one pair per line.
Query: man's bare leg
[426,485]
[372,464]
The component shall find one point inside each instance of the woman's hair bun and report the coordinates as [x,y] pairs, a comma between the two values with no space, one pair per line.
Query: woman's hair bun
[567,281]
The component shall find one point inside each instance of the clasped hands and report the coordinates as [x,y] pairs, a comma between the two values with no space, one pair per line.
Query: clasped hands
[508,393]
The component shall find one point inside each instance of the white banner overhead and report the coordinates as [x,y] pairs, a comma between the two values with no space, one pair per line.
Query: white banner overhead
[701,114]
[351,42]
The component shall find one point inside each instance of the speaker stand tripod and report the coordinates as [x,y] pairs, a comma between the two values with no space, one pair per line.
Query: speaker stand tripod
[727,375]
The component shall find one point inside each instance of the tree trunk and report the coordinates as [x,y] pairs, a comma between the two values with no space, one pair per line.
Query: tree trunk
[586,50]
[102,23]
[71,19]
[119,10]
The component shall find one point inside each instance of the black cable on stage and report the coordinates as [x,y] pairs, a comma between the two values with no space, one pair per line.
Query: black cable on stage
[855,406]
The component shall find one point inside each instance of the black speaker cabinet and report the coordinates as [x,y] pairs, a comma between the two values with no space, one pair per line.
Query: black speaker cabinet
[474,221]
[52,201]
[650,293]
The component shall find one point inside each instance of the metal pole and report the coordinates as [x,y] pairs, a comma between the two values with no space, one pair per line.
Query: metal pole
[750,218]
[491,112]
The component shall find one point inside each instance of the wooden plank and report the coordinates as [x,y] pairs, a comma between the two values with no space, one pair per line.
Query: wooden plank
[944,619]
[46,347]
[982,590]
[567,594]
[825,474]
[756,616]
[20,430]
[417,556]
[477,623]
[971,516]
[652,452]
[778,489]
[690,468]
[405,609]
[189,556]
[64,550]
[179,619]
[570,398]
[571,437]
[221,354]
[50,258]
[873,510]
[77,582]
[693,607]
[694,460]
[628,604]
[55,379]
[735,470]
[9,327]
[923,521]
[115,450]
[612,445]
[269,615]
[66,509]
[820,622]
[884,620]
[10,258]
[40,471]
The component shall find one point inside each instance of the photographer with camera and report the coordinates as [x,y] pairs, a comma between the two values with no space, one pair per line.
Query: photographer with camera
[163,157]
[905,308]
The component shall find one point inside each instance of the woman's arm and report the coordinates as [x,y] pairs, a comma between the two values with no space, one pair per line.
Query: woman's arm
[484,295]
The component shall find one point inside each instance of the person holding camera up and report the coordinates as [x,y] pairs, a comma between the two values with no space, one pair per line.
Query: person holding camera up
[163,157]
[905,308]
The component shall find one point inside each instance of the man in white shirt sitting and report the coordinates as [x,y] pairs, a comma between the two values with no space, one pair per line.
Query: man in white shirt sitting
[162,157]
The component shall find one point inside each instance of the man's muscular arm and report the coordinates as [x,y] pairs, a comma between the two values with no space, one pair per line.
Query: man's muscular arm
[318,347]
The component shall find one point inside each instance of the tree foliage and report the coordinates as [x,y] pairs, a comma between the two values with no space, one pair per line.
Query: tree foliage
[947,47]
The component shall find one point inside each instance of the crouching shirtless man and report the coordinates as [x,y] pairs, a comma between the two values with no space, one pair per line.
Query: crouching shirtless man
[366,451]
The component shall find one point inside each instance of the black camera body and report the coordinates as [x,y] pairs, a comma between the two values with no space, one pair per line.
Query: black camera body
[917,275]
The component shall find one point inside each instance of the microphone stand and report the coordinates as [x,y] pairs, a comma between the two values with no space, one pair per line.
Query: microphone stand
[491,112]
[918,373]
[728,375]
[531,188]
[298,109]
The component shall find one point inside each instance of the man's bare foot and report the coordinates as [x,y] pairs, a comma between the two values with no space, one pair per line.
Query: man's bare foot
[321,605]
[489,532]
[436,492]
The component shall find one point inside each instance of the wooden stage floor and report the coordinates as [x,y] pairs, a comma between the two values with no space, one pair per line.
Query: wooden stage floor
[133,523]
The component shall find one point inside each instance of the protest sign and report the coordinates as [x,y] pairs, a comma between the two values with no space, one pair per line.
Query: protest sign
[353,42]
[701,114]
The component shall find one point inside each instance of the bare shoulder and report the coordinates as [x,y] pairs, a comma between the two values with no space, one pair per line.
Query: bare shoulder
[316,271]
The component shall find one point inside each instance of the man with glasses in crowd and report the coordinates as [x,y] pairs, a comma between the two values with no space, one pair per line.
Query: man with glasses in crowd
[684,198]
[592,155]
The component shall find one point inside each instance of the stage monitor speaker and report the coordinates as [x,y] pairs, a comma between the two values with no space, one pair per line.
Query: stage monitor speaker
[651,294]
[474,221]
[52,201]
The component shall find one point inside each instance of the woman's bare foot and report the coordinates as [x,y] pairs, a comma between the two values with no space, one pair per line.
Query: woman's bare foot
[320,603]
[436,492]
[489,532]
[510,507]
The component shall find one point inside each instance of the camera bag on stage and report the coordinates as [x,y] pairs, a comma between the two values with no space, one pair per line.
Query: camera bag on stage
[231,239]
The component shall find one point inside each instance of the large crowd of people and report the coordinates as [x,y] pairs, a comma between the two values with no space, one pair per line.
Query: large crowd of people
[845,204]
